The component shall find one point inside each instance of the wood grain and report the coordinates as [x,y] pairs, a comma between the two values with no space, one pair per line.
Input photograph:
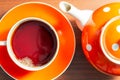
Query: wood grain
[80,68]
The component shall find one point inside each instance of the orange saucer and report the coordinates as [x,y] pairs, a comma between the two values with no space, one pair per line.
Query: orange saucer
[63,29]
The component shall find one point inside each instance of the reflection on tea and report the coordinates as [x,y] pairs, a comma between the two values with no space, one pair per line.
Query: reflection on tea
[34,42]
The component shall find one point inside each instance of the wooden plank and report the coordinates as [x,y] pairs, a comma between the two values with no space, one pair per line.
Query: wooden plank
[80,68]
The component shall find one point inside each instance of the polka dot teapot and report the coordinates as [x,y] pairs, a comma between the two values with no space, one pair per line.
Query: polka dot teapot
[100,35]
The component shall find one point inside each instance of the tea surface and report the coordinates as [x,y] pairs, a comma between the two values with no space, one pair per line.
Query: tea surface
[34,41]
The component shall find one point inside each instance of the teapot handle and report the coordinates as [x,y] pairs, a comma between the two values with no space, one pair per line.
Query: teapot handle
[2,43]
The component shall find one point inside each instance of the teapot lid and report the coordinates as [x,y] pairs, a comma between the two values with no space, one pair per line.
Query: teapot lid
[110,40]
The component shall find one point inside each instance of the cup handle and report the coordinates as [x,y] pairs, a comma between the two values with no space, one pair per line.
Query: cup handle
[2,43]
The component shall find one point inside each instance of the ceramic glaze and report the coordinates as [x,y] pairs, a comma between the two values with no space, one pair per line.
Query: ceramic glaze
[64,33]
[100,35]
[32,43]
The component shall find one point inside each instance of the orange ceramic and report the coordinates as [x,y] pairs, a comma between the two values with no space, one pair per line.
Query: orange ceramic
[63,29]
[100,35]
[91,35]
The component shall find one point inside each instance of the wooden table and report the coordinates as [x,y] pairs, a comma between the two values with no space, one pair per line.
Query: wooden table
[80,68]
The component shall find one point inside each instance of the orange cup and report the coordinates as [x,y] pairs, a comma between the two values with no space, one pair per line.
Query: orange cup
[61,27]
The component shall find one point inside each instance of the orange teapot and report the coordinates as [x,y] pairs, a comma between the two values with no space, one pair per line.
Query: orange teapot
[100,35]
